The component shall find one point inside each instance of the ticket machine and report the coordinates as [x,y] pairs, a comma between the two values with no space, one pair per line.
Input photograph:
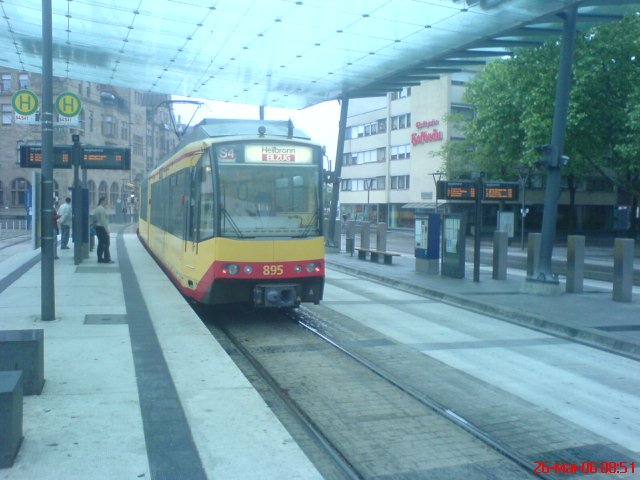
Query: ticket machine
[427,245]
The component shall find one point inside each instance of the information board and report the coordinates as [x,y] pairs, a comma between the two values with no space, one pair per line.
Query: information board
[97,158]
[501,191]
[31,157]
[460,190]
[466,190]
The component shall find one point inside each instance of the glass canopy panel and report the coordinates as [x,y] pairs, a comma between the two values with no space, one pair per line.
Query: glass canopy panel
[274,52]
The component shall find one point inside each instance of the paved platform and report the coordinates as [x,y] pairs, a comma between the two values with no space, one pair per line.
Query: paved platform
[135,385]
[591,317]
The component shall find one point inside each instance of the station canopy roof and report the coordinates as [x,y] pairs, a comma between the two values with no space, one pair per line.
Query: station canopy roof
[282,53]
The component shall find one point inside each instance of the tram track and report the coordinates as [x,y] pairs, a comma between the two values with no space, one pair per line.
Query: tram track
[423,437]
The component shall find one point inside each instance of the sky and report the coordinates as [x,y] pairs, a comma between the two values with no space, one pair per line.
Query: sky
[320,121]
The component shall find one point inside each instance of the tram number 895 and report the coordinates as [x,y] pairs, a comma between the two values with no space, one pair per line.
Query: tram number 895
[272,270]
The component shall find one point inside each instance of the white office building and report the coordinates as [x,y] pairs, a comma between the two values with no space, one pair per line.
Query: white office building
[391,150]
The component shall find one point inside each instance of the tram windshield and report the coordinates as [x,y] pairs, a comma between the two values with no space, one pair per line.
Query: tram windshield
[269,200]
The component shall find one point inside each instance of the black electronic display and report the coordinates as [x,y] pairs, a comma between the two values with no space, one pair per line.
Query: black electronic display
[96,158]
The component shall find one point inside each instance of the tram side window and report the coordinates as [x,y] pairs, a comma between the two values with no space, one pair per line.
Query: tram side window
[156,205]
[207,205]
[176,204]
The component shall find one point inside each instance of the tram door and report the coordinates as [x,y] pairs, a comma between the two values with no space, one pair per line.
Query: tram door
[192,222]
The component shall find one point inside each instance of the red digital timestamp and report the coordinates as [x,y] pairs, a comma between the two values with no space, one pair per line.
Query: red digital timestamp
[585,468]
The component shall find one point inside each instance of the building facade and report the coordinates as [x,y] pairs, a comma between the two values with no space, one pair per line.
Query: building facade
[391,150]
[110,116]
[392,161]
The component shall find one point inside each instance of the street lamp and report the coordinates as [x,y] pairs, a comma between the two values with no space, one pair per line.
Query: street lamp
[437,175]
[524,170]
[368,183]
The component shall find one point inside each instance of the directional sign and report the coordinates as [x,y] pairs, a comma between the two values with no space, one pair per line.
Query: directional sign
[68,104]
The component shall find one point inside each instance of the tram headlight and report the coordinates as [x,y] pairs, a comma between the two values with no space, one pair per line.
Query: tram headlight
[313,267]
[297,268]
[247,269]
[231,269]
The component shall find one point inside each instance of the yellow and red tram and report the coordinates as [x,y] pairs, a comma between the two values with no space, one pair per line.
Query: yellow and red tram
[234,215]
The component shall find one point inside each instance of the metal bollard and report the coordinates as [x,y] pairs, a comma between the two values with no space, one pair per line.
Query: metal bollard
[533,252]
[623,270]
[381,237]
[575,264]
[500,244]
[365,235]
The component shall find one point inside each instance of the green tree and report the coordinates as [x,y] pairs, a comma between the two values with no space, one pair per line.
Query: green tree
[514,101]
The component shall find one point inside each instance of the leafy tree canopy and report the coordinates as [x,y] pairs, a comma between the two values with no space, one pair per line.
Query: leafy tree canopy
[514,101]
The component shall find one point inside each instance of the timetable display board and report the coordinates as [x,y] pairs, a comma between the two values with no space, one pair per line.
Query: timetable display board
[460,190]
[97,158]
[31,157]
[466,190]
[501,191]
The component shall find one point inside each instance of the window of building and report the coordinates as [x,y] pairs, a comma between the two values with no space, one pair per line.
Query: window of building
[400,182]
[6,82]
[399,152]
[1,194]
[405,92]
[598,184]
[90,120]
[466,112]
[103,190]
[114,194]
[19,188]
[92,193]
[367,129]
[23,80]
[138,148]
[7,114]
[368,156]
[109,126]
[345,185]
[401,121]
[124,130]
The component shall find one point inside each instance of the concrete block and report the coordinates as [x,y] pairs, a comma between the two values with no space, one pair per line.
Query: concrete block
[10,416]
[500,245]
[381,236]
[24,350]
[533,252]
[623,270]
[365,235]
[575,263]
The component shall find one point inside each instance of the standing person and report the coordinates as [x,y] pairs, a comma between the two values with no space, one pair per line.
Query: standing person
[101,222]
[65,223]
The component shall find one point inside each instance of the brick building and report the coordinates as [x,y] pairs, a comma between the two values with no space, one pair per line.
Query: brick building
[110,116]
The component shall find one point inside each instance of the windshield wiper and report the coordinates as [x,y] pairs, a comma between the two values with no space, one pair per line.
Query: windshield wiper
[308,226]
[228,217]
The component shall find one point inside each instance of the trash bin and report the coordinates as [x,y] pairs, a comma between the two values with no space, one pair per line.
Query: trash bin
[350,245]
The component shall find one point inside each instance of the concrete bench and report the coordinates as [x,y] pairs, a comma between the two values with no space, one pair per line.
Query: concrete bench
[10,416]
[24,350]
[375,254]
